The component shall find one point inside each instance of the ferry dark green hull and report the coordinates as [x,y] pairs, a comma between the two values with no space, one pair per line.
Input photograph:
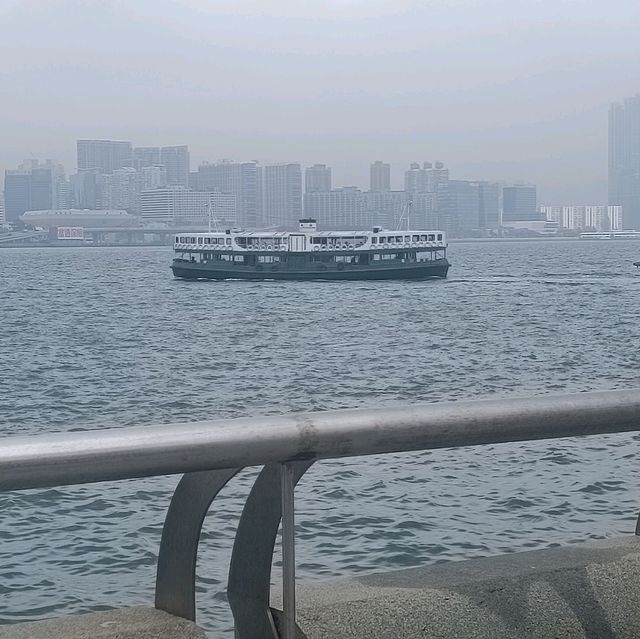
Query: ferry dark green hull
[185,269]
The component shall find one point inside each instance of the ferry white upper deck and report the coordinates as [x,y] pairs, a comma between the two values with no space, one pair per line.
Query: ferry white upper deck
[309,239]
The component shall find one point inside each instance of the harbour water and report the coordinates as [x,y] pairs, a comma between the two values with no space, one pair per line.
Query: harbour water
[105,337]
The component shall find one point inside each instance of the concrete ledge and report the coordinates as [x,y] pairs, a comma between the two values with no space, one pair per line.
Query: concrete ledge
[128,623]
[581,592]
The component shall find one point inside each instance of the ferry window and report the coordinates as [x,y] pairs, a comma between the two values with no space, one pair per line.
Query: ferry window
[423,238]
[228,241]
[432,238]
[407,238]
[177,239]
[193,240]
[398,238]
[415,238]
[200,240]
[374,240]
[440,236]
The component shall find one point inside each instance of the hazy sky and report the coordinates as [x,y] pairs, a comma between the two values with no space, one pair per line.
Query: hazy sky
[497,89]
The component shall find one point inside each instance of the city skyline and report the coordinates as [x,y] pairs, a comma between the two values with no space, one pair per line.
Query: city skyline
[334,81]
[352,174]
[276,195]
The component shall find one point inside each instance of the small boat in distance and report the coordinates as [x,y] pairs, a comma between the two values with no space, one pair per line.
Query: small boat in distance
[309,254]
[636,264]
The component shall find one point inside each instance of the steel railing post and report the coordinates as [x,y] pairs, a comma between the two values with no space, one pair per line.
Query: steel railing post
[287,487]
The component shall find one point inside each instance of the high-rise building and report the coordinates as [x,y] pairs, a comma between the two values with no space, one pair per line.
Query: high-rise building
[104,155]
[379,177]
[384,208]
[178,207]
[317,178]
[17,194]
[427,178]
[489,218]
[87,189]
[624,159]
[34,185]
[339,209]
[121,190]
[144,156]
[469,208]
[47,180]
[282,195]
[152,177]
[2,218]
[519,203]
[176,160]
[240,179]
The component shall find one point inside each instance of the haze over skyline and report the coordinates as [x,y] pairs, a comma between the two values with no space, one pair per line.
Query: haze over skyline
[514,91]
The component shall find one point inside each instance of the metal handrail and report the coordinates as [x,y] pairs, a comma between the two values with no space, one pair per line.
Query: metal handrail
[210,453]
[99,455]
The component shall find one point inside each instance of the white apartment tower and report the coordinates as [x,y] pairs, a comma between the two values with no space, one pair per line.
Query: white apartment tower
[282,195]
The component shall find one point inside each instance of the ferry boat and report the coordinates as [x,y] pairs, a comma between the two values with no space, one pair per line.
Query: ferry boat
[611,235]
[310,254]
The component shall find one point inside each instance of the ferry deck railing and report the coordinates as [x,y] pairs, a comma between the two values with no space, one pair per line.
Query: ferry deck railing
[210,453]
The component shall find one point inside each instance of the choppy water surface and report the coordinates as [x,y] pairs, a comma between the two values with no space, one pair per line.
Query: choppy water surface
[94,338]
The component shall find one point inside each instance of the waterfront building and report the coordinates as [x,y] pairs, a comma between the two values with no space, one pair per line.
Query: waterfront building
[317,178]
[624,159]
[176,161]
[519,203]
[604,218]
[103,155]
[528,228]
[282,195]
[338,209]
[177,207]
[551,213]
[583,218]
[379,177]
[144,156]
[572,217]
[2,217]
[240,179]
[80,218]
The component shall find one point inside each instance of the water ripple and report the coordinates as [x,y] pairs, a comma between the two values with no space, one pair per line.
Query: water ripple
[95,338]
